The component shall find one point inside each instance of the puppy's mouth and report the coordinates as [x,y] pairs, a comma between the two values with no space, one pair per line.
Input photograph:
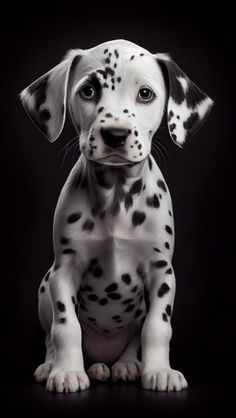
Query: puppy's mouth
[113,160]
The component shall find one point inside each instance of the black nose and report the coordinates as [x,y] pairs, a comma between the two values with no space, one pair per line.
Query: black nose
[114,137]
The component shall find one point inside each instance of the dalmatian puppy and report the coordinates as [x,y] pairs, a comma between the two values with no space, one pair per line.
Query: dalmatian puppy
[108,297]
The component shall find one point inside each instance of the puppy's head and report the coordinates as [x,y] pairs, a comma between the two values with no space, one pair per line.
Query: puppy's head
[116,94]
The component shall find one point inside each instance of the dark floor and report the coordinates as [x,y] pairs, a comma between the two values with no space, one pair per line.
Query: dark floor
[28,399]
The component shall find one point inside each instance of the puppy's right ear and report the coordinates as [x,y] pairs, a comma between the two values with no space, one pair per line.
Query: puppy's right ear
[45,99]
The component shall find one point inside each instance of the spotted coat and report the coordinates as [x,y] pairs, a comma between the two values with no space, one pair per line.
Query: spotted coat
[111,288]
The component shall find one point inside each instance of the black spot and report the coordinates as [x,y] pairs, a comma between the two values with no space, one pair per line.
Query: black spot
[140,271]
[109,71]
[136,133]
[126,278]
[103,301]
[138,313]
[91,319]
[105,51]
[178,117]
[92,297]
[107,60]
[114,296]
[93,262]
[170,213]
[62,320]
[191,122]
[167,245]
[73,300]
[172,127]
[157,250]
[115,65]
[162,185]
[127,301]
[139,146]
[108,115]
[102,121]
[163,290]
[56,267]
[88,288]
[169,271]
[103,73]
[170,116]
[88,225]
[168,310]
[111,288]
[176,89]
[174,137]
[47,276]
[153,201]
[61,306]
[125,111]
[69,251]
[130,308]
[116,317]
[160,264]
[64,240]
[138,218]
[150,163]
[128,201]
[194,96]
[100,109]
[168,229]
[45,114]
[165,317]
[97,272]
[116,53]
[136,187]
[132,57]
[134,289]
[113,87]
[74,217]
[118,79]
[42,289]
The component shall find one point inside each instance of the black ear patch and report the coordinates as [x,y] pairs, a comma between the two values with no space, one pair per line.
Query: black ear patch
[187,106]
[45,99]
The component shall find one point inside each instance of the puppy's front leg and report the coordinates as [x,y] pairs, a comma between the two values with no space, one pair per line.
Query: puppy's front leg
[68,373]
[156,334]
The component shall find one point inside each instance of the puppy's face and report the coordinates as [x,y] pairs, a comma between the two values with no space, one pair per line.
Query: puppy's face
[115,94]
[116,100]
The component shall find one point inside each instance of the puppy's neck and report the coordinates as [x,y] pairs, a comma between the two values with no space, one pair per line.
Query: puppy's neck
[109,185]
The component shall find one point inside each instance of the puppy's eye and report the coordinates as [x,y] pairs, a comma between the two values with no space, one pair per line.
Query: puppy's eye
[145,94]
[87,92]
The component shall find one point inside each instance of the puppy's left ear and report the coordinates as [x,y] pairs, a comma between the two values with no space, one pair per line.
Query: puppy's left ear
[187,107]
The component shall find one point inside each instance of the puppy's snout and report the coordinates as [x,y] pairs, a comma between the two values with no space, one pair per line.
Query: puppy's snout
[114,137]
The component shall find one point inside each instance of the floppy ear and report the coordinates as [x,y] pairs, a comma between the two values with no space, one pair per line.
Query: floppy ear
[187,107]
[45,99]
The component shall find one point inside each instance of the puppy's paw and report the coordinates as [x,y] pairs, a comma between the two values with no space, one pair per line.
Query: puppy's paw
[42,372]
[164,380]
[67,381]
[99,371]
[126,371]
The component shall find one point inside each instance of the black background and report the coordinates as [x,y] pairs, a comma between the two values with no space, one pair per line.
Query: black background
[35,38]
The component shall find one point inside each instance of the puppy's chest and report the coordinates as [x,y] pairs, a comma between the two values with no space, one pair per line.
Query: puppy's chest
[112,286]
